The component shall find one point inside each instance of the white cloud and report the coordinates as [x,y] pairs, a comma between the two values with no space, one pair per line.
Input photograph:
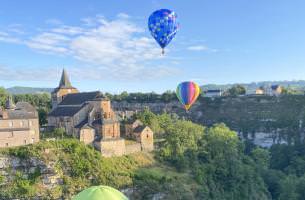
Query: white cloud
[118,48]
[7,38]
[49,43]
[123,15]
[198,48]
[68,30]
[15,28]
[26,73]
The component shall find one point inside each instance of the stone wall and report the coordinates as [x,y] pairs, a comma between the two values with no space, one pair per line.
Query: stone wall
[112,147]
[117,147]
[18,132]
[86,135]
[133,148]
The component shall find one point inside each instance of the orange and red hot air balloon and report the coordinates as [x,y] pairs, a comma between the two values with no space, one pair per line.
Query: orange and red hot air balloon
[187,93]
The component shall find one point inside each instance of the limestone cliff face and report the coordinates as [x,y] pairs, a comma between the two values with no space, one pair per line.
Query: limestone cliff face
[12,168]
[263,119]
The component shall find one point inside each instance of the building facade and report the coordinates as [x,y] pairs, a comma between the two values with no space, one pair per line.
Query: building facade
[260,91]
[19,124]
[276,90]
[87,116]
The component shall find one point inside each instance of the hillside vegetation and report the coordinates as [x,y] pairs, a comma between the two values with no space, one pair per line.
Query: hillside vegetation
[191,161]
[78,165]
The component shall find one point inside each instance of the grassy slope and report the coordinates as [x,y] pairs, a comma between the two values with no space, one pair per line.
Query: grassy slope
[80,166]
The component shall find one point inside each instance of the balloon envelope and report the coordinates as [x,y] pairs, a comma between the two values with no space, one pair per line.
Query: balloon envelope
[163,26]
[187,93]
[100,193]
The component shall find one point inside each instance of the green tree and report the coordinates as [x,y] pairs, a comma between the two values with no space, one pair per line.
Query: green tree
[237,90]
[289,188]
[168,96]
[59,132]
[3,96]
[261,157]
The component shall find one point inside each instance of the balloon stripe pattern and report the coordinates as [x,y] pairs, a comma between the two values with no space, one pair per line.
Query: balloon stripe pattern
[187,93]
[163,26]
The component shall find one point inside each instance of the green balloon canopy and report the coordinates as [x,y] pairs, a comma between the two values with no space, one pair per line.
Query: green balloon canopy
[100,193]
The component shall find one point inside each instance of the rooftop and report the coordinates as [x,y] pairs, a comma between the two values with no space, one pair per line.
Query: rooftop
[80,98]
[65,111]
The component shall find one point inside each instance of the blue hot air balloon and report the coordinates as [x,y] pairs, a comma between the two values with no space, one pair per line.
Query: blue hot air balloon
[163,26]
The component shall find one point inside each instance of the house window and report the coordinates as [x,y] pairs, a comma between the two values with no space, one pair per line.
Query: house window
[10,124]
[24,141]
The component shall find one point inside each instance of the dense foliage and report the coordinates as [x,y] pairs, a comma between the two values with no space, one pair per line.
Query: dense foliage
[236,90]
[190,162]
[3,96]
[139,97]
[77,164]
[223,166]
[213,156]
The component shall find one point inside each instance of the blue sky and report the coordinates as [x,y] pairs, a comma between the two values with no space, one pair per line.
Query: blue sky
[105,45]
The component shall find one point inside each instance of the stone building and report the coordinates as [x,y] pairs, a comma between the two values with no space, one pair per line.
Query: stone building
[276,90]
[260,91]
[141,133]
[87,116]
[19,124]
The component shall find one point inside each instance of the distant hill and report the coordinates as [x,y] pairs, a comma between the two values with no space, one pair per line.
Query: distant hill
[28,90]
[297,85]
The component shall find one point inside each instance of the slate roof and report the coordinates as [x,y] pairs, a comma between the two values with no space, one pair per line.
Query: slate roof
[82,124]
[65,111]
[64,81]
[139,129]
[25,106]
[23,110]
[80,98]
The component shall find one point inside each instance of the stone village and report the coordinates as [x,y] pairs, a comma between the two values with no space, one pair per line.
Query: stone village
[87,116]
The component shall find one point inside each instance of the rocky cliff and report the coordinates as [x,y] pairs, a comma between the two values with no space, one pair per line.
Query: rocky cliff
[263,119]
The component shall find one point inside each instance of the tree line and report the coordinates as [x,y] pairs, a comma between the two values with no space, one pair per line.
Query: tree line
[225,167]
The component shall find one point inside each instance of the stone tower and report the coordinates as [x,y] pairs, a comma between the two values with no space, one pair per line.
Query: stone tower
[9,104]
[110,123]
[62,90]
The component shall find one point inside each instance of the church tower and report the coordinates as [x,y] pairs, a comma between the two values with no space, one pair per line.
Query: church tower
[63,89]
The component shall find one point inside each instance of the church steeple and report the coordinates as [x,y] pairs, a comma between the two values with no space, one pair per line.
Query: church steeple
[64,88]
[64,81]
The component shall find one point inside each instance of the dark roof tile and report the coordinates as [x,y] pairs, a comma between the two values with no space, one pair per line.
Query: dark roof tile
[80,98]
[82,123]
[65,111]
[139,129]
